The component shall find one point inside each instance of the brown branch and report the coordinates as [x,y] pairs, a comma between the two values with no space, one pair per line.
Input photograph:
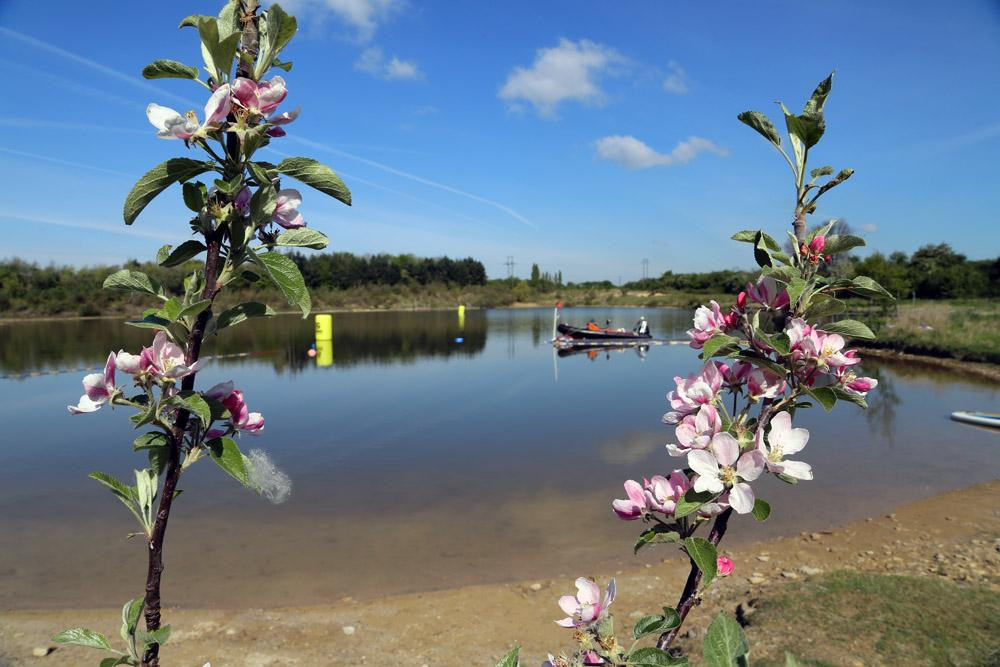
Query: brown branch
[689,597]
[192,352]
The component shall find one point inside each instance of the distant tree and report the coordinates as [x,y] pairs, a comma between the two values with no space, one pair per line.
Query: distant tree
[536,275]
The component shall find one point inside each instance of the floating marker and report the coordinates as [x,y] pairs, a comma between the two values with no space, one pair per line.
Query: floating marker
[461,318]
[459,340]
[324,327]
[324,353]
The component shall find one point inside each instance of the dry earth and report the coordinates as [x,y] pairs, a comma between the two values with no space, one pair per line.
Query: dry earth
[953,536]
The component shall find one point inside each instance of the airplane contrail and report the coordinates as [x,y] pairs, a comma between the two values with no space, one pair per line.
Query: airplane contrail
[67,163]
[419,179]
[7,121]
[78,224]
[128,78]
[104,69]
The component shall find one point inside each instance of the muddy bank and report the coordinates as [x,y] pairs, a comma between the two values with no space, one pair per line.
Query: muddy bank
[937,537]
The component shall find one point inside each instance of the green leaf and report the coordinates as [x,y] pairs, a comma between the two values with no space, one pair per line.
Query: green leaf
[191,310]
[818,99]
[825,396]
[717,343]
[194,195]
[169,69]
[131,611]
[656,623]
[658,534]
[316,175]
[121,490]
[171,310]
[762,124]
[217,51]
[745,236]
[229,19]
[511,659]
[114,662]
[761,252]
[286,276]
[865,286]
[150,440]
[703,553]
[821,171]
[760,360]
[262,204]
[158,459]
[151,322]
[276,29]
[851,328]
[691,501]
[839,244]
[226,453]
[796,287]
[192,20]
[787,479]
[303,237]
[83,637]
[242,313]
[822,305]
[650,656]
[761,509]
[847,395]
[194,404]
[725,643]
[158,179]
[158,637]
[133,281]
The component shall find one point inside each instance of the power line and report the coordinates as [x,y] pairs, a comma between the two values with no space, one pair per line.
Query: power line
[510,266]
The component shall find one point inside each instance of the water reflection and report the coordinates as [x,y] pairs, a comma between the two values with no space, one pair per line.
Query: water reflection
[420,462]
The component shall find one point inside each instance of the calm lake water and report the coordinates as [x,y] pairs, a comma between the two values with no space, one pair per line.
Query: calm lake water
[418,462]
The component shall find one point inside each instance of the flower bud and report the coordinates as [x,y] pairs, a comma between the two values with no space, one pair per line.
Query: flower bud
[803,250]
[817,244]
[724,566]
[741,300]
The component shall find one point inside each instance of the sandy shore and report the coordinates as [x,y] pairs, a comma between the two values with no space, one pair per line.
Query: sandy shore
[935,537]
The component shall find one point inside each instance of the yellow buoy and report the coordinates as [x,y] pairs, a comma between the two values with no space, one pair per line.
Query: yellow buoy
[324,352]
[324,327]
[461,317]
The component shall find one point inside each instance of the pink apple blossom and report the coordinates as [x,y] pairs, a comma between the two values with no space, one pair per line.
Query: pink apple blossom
[662,493]
[242,201]
[260,98]
[724,566]
[721,467]
[694,391]
[817,244]
[762,383]
[783,440]
[586,607]
[632,507]
[240,416]
[127,362]
[281,119]
[708,321]
[286,212]
[696,430]
[165,359]
[767,293]
[860,385]
[98,389]
[172,125]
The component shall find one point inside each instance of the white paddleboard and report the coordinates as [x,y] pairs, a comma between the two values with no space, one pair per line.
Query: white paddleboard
[978,418]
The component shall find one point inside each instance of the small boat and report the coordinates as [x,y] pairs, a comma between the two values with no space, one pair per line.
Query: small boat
[977,418]
[583,333]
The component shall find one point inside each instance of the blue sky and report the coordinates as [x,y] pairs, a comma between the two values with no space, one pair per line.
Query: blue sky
[496,129]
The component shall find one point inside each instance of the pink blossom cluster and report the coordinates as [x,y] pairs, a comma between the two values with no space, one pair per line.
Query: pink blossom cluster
[162,364]
[248,102]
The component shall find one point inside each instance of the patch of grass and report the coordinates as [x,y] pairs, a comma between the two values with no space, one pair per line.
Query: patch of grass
[840,617]
[967,330]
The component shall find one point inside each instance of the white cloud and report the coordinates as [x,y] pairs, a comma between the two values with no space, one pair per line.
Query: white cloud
[676,81]
[634,154]
[364,16]
[372,61]
[569,71]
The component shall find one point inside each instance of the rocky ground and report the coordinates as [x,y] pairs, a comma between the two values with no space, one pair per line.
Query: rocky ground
[954,537]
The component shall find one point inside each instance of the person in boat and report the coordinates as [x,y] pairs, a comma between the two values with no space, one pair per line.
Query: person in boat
[641,327]
[592,325]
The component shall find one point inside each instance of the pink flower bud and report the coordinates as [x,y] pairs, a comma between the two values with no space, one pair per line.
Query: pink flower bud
[724,566]
[817,244]
[803,250]
[741,300]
